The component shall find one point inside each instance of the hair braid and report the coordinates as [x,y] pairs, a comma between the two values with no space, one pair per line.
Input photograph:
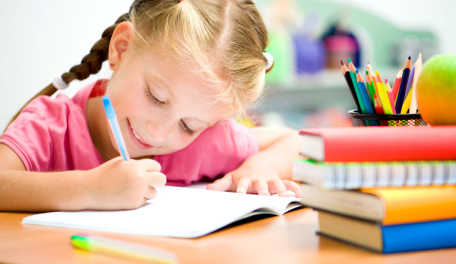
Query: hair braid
[90,64]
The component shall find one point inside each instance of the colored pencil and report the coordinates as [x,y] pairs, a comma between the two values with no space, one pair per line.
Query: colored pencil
[378,105]
[349,82]
[364,94]
[384,98]
[401,93]
[408,94]
[352,71]
[370,87]
[397,83]
[369,69]
[418,66]
[379,77]
[389,91]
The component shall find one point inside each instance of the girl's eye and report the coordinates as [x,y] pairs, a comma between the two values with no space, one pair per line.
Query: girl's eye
[153,98]
[186,128]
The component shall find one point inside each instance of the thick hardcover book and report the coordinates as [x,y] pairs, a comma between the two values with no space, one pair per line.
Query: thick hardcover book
[379,143]
[389,238]
[385,205]
[355,175]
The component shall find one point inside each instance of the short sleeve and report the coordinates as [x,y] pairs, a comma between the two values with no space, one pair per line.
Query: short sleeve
[51,134]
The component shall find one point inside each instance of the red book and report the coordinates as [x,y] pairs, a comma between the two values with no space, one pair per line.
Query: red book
[379,143]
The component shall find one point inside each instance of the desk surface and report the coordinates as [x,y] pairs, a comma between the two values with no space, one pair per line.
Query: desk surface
[289,238]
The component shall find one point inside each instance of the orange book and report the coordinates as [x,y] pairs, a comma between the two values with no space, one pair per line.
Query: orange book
[387,206]
[419,204]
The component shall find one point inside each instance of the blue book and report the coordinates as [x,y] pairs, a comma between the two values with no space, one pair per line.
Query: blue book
[389,238]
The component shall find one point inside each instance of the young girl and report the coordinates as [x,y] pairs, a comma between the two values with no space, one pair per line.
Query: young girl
[181,69]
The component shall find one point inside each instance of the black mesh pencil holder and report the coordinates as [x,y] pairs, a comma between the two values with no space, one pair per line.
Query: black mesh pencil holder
[360,120]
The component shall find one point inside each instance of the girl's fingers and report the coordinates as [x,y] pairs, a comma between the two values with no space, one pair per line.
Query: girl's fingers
[261,187]
[294,187]
[223,184]
[243,185]
[156,179]
[150,194]
[278,186]
[151,165]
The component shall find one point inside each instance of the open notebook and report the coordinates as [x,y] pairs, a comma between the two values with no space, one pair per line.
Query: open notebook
[175,212]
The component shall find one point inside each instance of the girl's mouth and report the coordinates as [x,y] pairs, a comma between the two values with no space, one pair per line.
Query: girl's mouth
[137,139]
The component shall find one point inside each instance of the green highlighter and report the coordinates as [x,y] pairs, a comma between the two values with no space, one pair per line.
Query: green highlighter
[123,249]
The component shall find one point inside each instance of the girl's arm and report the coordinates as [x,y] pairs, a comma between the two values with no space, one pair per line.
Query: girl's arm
[116,184]
[271,169]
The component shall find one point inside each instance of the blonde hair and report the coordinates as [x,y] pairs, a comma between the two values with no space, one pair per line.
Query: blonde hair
[226,37]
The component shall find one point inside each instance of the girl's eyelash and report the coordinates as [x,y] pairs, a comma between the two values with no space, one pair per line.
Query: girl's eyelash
[158,102]
[186,128]
[152,97]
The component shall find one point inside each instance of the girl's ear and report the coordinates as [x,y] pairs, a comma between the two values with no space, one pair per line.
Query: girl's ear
[119,44]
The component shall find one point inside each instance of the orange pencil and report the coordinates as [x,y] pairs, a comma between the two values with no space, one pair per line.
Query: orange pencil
[378,105]
[369,69]
[379,77]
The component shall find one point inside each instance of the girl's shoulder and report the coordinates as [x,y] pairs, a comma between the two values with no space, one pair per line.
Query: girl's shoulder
[47,126]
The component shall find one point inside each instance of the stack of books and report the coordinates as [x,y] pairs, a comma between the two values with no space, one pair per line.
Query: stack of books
[387,189]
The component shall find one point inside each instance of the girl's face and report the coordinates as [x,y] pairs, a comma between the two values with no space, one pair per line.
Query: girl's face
[162,104]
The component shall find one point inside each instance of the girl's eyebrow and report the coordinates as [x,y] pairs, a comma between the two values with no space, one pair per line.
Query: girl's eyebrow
[158,80]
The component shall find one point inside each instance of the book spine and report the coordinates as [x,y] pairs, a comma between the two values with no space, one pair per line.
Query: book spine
[380,144]
[419,236]
[352,175]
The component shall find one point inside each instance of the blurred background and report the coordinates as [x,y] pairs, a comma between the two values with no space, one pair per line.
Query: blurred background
[308,38]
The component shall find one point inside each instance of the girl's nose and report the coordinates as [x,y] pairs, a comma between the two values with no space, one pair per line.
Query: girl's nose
[159,131]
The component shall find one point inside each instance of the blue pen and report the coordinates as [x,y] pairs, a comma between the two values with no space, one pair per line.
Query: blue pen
[114,124]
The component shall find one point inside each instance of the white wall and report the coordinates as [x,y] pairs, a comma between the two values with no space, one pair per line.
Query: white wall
[42,38]
[437,15]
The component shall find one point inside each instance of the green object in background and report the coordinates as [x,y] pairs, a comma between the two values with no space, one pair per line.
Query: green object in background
[280,47]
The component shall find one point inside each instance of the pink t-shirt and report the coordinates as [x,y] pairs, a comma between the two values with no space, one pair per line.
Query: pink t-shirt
[51,134]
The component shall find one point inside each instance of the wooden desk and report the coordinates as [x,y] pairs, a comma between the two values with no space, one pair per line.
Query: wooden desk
[287,239]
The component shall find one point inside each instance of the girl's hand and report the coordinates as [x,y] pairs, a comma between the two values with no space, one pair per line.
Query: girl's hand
[267,171]
[119,184]
[246,181]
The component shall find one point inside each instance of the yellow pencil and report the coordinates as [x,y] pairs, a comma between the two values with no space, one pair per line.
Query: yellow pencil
[389,91]
[384,98]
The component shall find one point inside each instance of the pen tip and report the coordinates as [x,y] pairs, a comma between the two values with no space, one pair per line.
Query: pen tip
[376,72]
[367,72]
[409,57]
[357,71]
[341,62]
[349,60]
